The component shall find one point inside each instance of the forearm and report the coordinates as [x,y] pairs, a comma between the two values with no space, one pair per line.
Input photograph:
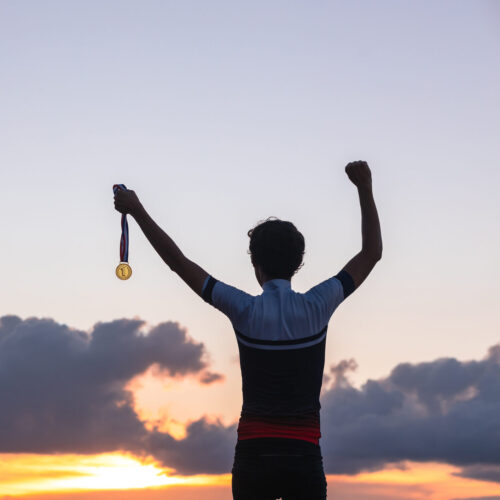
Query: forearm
[370,224]
[161,241]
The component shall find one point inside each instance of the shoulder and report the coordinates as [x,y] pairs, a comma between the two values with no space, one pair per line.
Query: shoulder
[323,299]
[233,302]
[336,288]
[215,290]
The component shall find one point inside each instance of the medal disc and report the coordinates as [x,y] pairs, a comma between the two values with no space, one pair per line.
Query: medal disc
[123,271]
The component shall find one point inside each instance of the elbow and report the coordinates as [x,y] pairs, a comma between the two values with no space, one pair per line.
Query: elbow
[373,255]
[175,264]
[377,253]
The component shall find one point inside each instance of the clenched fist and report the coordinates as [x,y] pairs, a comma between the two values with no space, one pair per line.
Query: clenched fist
[127,202]
[359,173]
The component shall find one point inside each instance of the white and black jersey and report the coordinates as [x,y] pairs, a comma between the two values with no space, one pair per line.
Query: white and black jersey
[281,338]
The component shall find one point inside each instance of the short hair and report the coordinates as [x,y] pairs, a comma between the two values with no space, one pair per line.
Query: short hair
[277,247]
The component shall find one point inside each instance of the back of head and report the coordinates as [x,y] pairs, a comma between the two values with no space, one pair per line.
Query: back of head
[277,247]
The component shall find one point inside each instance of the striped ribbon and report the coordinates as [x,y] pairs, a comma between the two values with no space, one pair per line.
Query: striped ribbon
[124,236]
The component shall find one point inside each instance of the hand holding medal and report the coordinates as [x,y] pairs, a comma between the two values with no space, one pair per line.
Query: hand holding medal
[125,202]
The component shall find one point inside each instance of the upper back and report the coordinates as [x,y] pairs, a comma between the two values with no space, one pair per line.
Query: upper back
[279,313]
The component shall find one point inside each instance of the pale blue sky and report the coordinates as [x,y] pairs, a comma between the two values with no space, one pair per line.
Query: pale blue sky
[222,113]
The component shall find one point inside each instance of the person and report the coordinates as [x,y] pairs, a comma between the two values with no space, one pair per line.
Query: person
[281,337]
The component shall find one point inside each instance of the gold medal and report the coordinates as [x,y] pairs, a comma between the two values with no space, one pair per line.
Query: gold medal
[123,271]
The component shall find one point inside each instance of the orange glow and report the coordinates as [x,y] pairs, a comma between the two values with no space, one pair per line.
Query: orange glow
[436,479]
[24,474]
[406,473]
[152,410]
[29,473]
[161,401]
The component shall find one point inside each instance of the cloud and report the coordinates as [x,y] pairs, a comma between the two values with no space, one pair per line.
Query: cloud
[444,410]
[63,390]
[209,377]
[207,447]
[481,472]
[477,498]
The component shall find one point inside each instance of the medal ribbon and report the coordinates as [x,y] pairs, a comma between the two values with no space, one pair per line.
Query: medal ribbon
[124,236]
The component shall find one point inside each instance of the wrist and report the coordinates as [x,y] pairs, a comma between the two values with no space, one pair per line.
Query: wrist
[365,188]
[138,213]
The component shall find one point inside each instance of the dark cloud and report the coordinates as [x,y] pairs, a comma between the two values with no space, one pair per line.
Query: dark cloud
[481,472]
[477,498]
[63,390]
[340,370]
[209,377]
[444,411]
[207,447]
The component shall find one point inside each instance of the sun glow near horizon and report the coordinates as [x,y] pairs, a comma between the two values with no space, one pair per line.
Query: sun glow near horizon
[25,474]
[31,473]
[439,481]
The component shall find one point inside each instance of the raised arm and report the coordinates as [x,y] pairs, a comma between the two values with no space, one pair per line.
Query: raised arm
[360,266]
[127,202]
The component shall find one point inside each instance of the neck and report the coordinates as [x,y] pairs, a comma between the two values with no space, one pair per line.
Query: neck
[262,277]
[265,279]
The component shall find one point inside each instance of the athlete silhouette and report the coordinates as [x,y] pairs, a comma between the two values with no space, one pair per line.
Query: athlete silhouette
[281,337]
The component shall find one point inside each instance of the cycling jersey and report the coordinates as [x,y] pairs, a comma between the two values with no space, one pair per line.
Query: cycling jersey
[281,337]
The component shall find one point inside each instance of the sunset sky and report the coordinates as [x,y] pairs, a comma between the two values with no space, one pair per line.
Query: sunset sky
[220,114]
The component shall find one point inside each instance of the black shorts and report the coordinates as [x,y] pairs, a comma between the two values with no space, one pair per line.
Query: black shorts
[271,473]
